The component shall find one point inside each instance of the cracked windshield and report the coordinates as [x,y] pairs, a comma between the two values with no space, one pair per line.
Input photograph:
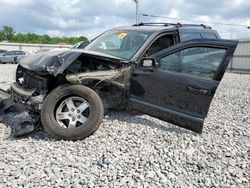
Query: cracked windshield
[122,44]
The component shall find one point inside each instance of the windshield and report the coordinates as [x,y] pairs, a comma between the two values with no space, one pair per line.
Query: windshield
[122,44]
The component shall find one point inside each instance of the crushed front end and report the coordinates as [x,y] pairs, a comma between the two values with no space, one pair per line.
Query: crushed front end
[24,100]
[37,75]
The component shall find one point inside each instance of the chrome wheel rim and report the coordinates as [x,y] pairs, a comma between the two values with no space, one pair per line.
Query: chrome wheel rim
[72,112]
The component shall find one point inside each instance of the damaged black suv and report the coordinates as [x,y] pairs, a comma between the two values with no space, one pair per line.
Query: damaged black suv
[169,71]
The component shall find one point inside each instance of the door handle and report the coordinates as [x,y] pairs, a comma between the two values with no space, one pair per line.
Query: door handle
[198,91]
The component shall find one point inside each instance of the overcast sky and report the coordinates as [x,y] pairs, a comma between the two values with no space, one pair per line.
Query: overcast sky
[90,18]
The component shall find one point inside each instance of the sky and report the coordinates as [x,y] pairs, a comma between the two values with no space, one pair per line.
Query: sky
[90,18]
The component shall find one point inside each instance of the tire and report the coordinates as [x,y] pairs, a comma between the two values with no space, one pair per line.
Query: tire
[60,122]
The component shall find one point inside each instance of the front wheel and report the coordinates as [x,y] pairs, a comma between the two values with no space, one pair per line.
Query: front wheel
[72,112]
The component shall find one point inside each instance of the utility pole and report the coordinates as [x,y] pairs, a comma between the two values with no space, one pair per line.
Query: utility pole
[137,11]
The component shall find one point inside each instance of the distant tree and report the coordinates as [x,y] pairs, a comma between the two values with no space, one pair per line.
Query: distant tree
[8,32]
[19,37]
[2,36]
[82,38]
[44,39]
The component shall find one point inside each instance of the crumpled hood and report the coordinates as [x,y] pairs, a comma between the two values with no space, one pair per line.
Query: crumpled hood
[55,62]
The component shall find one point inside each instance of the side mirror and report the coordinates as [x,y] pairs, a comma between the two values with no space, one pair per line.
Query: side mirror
[148,63]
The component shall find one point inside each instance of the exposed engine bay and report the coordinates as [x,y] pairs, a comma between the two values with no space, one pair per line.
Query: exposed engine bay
[89,70]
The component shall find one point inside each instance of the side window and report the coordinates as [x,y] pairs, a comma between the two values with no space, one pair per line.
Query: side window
[9,53]
[200,62]
[209,36]
[159,44]
[190,36]
[20,53]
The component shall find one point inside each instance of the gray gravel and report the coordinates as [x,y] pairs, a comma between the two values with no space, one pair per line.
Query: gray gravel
[135,150]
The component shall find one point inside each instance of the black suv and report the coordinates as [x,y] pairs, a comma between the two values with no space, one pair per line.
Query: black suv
[169,71]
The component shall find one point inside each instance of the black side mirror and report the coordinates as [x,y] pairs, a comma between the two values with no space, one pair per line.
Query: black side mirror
[148,63]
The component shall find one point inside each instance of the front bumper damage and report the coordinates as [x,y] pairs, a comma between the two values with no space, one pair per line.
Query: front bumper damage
[6,102]
[15,101]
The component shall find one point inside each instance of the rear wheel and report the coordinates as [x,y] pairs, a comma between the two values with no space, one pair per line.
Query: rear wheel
[72,112]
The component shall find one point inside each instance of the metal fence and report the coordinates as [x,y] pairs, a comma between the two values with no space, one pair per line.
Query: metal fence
[241,59]
[29,47]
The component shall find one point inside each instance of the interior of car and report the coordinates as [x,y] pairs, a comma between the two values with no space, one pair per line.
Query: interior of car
[159,44]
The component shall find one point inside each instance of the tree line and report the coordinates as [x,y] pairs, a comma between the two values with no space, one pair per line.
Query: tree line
[7,33]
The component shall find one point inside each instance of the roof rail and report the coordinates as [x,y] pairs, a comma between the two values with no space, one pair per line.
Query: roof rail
[197,25]
[174,24]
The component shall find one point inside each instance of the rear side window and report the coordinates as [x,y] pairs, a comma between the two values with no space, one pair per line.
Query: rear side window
[202,62]
[20,53]
[190,36]
[209,36]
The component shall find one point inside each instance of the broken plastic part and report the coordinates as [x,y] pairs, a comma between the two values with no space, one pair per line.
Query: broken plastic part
[23,124]
[5,102]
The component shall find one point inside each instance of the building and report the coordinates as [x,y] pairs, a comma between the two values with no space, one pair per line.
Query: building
[241,60]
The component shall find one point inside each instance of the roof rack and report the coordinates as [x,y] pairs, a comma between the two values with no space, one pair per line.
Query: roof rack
[174,24]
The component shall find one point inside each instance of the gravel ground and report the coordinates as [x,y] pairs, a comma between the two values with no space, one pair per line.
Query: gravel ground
[134,150]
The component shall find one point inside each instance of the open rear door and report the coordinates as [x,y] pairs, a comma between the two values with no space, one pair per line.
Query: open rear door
[181,86]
